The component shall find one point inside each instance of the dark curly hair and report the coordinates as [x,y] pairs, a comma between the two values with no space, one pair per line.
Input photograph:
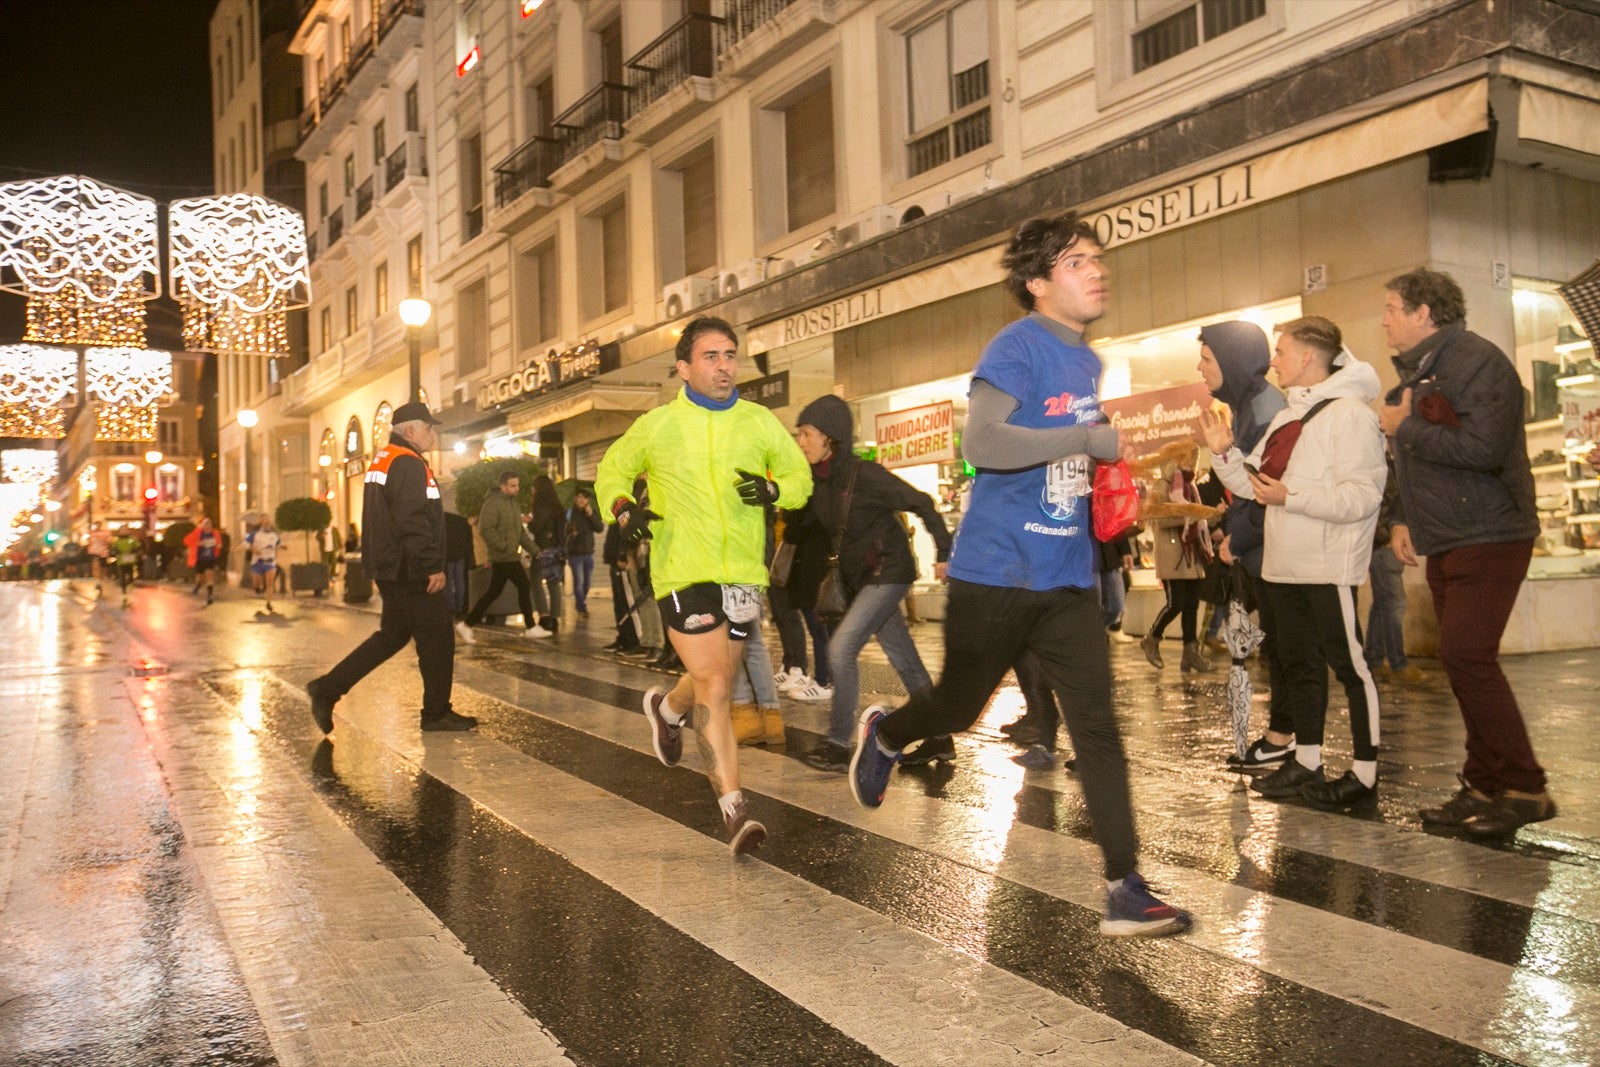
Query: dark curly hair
[1444,298]
[703,324]
[1036,246]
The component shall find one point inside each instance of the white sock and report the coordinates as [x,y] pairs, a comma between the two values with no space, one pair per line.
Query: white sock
[671,717]
[730,803]
[1308,756]
[1112,887]
[1366,771]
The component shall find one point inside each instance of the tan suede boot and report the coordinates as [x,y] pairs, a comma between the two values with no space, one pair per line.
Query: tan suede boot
[746,724]
[772,727]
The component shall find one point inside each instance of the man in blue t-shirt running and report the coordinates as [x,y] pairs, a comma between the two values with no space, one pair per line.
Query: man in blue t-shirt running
[1024,570]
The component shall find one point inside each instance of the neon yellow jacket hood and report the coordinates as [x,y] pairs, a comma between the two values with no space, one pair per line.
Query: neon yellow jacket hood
[691,455]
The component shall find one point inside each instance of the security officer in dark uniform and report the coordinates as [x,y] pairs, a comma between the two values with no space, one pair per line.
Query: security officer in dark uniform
[403,547]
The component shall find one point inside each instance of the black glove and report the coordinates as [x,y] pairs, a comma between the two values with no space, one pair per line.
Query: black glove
[635,522]
[756,490]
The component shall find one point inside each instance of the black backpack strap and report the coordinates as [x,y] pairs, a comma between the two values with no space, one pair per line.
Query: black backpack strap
[1318,406]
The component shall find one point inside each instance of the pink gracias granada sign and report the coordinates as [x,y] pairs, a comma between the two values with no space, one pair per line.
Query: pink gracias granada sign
[1150,420]
[917,435]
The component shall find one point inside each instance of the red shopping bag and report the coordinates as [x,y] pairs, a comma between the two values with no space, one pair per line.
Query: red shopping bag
[1116,500]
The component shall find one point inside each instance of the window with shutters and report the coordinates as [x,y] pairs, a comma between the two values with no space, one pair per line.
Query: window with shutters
[538,295]
[947,87]
[472,328]
[795,161]
[1143,44]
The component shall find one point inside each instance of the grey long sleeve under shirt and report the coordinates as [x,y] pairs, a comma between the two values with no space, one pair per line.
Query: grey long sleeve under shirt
[989,441]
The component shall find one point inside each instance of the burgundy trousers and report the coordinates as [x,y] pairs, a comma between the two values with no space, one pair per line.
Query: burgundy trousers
[1474,588]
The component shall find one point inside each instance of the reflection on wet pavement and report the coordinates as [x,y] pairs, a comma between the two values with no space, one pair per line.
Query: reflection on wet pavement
[583,908]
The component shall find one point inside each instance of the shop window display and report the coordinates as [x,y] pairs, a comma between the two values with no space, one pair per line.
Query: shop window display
[1557,365]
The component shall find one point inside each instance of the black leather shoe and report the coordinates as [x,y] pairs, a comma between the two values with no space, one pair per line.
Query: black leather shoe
[1510,812]
[448,720]
[639,652]
[1286,781]
[828,757]
[615,646]
[934,750]
[321,704]
[1343,792]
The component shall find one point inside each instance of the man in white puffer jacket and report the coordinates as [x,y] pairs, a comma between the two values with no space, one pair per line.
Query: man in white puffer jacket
[1320,472]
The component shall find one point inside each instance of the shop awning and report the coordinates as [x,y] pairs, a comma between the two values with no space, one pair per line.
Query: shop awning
[591,396]
[1559,119]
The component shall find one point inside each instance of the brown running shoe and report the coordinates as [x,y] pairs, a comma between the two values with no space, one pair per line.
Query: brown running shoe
[745,835]
[1467,803]
[666,738]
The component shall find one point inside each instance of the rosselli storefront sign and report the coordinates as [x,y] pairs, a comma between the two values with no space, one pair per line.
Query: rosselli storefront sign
[917,435]
[1150,420]
[837,315]
[554,370]
[1179,205]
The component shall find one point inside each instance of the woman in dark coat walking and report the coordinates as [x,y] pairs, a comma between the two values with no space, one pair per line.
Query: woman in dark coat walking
[874,561]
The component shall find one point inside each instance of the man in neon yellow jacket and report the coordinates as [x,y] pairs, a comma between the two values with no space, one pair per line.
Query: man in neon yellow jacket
[714,462]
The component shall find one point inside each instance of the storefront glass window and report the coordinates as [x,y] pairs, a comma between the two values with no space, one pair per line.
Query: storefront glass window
[1163,358]
[1550,344]
[944,481]
[1557,365]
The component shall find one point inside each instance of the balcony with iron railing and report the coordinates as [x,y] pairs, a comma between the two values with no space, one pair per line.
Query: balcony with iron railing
[598,115]
[590,132]
[408,160]
[671,76]
[529,167]
[363,198]
[762,32]
[522,182]
[334,226]
[397,29]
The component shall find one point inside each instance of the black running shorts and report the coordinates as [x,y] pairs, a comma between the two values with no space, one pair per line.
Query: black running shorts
[701,608]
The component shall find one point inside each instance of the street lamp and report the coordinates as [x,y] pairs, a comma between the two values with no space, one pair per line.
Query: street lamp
[247,418]
[415,312]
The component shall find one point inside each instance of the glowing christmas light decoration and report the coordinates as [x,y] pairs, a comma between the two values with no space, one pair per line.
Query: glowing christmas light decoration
[29,466]
[16,500]
[37,385]
[85,256]
[126,384]
[238,263]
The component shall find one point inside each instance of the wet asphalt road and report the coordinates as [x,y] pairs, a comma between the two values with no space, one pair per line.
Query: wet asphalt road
[193,875]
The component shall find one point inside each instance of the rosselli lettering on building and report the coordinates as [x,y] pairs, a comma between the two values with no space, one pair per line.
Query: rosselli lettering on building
[826,318]
[1213,194]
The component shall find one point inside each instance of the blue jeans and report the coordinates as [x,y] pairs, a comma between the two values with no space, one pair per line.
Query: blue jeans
[754,684]
[1113,598]
[819,644]
[1386,639]
[455,585]
[582,576]
[875,610]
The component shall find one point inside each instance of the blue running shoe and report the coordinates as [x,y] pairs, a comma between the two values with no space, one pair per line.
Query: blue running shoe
[1133,911]
[869,767]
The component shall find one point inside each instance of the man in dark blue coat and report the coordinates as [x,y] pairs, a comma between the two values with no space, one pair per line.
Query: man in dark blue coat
[1466,503]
